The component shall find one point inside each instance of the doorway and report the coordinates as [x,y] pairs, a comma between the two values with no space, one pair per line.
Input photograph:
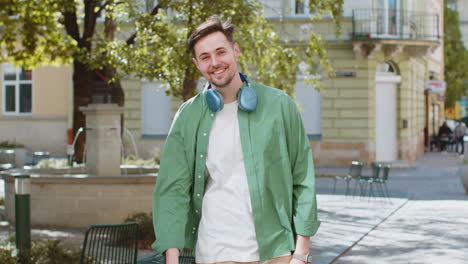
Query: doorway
[386,82]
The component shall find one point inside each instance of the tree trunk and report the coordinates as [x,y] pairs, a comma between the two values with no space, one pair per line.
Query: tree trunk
[190,84]
[82,78]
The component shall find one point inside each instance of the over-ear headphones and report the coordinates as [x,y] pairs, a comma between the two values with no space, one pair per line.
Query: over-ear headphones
[246,97]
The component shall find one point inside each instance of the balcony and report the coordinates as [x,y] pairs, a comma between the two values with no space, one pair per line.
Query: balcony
[393,31]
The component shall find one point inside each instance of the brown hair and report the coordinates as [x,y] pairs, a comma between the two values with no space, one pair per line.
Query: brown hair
[211,25]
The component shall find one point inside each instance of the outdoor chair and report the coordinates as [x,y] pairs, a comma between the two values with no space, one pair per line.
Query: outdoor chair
[185,257]
[354,172]
[374,178]
[106,244]
[382,181]
[363,180]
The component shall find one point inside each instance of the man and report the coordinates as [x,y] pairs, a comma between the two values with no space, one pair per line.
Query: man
[236,181]
[444,134]
[459,133]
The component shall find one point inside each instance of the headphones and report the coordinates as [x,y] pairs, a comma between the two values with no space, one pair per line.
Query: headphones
[247,97]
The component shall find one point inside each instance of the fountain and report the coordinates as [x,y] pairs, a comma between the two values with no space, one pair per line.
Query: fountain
[95,193]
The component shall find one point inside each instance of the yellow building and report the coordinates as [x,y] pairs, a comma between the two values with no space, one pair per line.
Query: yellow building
[35,107]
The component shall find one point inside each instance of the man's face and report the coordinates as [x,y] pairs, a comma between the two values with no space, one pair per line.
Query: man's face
[215,58]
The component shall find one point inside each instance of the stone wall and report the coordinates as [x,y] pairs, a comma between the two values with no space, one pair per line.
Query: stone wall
[63,201]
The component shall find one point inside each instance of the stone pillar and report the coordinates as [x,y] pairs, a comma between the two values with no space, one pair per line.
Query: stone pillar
[103,138]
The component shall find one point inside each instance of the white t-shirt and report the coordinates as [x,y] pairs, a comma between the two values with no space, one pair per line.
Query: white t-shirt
[226,231]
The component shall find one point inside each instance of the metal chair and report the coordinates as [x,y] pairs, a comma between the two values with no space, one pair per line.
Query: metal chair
[354,172]
[376,168]
[106,244]
[383,180]
[363,180]
[185,257]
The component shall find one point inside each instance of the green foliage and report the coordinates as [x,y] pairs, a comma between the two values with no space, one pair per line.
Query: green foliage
[31,33]
[145,221]
[9,144]
[455,56]
[150,40]
[6,256]
[42,252]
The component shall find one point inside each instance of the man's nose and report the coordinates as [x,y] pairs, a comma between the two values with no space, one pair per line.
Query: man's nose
[215,61]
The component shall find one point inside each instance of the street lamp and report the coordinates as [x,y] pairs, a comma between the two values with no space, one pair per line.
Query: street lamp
[23,216]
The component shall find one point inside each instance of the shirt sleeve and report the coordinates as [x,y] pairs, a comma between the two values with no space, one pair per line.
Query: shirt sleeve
[171,197]
[305,217]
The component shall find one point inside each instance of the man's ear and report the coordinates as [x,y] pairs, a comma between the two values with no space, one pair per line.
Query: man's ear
[236,50]
[196,63]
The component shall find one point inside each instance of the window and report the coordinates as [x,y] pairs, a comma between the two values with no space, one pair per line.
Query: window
[300,7]
[156,110]
[17,89]
[452,4]
[310,102]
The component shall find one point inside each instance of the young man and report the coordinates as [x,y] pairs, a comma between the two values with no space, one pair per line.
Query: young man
[459,135]
[236,181]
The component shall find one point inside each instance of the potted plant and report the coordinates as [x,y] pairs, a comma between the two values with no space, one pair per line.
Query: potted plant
[12,152]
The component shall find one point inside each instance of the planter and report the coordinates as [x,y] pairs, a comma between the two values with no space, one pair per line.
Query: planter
[464,176]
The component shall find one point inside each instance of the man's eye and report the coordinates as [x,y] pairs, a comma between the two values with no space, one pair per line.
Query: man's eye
[222,52]
[204,58]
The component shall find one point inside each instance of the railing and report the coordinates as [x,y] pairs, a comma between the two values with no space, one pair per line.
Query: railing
[395,24]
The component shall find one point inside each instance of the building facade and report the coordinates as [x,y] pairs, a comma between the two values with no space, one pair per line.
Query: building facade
[375,106]
[35,107]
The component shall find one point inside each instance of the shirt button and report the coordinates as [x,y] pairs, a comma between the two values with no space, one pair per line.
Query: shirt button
[212,115]
[198,194]
[194,228]
[193,232]
[204,134]
[201,156]
[199,176]
[196,211]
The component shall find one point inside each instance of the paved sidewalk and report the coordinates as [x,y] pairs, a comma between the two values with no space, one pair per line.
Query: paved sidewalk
[425,221]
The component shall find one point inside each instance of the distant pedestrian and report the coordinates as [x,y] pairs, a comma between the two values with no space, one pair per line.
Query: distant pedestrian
[444,135]
[460,131]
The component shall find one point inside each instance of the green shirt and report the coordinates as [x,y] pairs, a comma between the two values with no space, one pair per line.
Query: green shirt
[279,168]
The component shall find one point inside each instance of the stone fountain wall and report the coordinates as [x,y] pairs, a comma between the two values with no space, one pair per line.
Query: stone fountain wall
[79,200]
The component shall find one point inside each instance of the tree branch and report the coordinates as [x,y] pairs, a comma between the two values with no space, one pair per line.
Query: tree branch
[89,21]
[98,13]
[71,24]
[131,39]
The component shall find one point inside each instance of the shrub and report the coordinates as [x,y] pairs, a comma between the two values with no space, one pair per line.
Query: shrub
[8,144]
[52,252]
[42,252]
[6,256]
[145,221]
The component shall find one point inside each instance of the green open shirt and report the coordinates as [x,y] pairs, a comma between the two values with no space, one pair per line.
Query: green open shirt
[279,168]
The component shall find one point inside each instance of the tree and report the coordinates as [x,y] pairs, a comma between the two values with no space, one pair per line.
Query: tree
[151,41]
[455,57]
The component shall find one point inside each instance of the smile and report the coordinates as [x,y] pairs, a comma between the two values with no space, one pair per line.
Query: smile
[218,72]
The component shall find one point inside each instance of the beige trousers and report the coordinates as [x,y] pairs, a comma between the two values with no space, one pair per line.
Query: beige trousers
[278,260]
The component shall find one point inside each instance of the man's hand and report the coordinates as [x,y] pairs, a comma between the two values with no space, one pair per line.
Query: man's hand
[302,247]
[296,261]
[172,256]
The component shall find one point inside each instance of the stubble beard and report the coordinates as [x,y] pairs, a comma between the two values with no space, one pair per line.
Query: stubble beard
[221,83]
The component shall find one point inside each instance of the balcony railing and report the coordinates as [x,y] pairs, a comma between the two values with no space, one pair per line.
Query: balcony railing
[395,24]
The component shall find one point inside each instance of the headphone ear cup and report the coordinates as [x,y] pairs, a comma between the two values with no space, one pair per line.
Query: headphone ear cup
[247,99]
[214,100]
